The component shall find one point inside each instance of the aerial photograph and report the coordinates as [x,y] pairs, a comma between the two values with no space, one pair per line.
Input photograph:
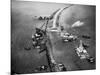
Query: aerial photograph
[52,37]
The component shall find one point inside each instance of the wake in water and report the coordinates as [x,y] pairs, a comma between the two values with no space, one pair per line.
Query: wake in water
[77,24]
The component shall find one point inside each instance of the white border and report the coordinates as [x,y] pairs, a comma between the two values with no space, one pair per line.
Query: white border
[85,2]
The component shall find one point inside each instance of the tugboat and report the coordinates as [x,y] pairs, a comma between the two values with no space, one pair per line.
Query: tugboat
[81,51]
[83,54]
